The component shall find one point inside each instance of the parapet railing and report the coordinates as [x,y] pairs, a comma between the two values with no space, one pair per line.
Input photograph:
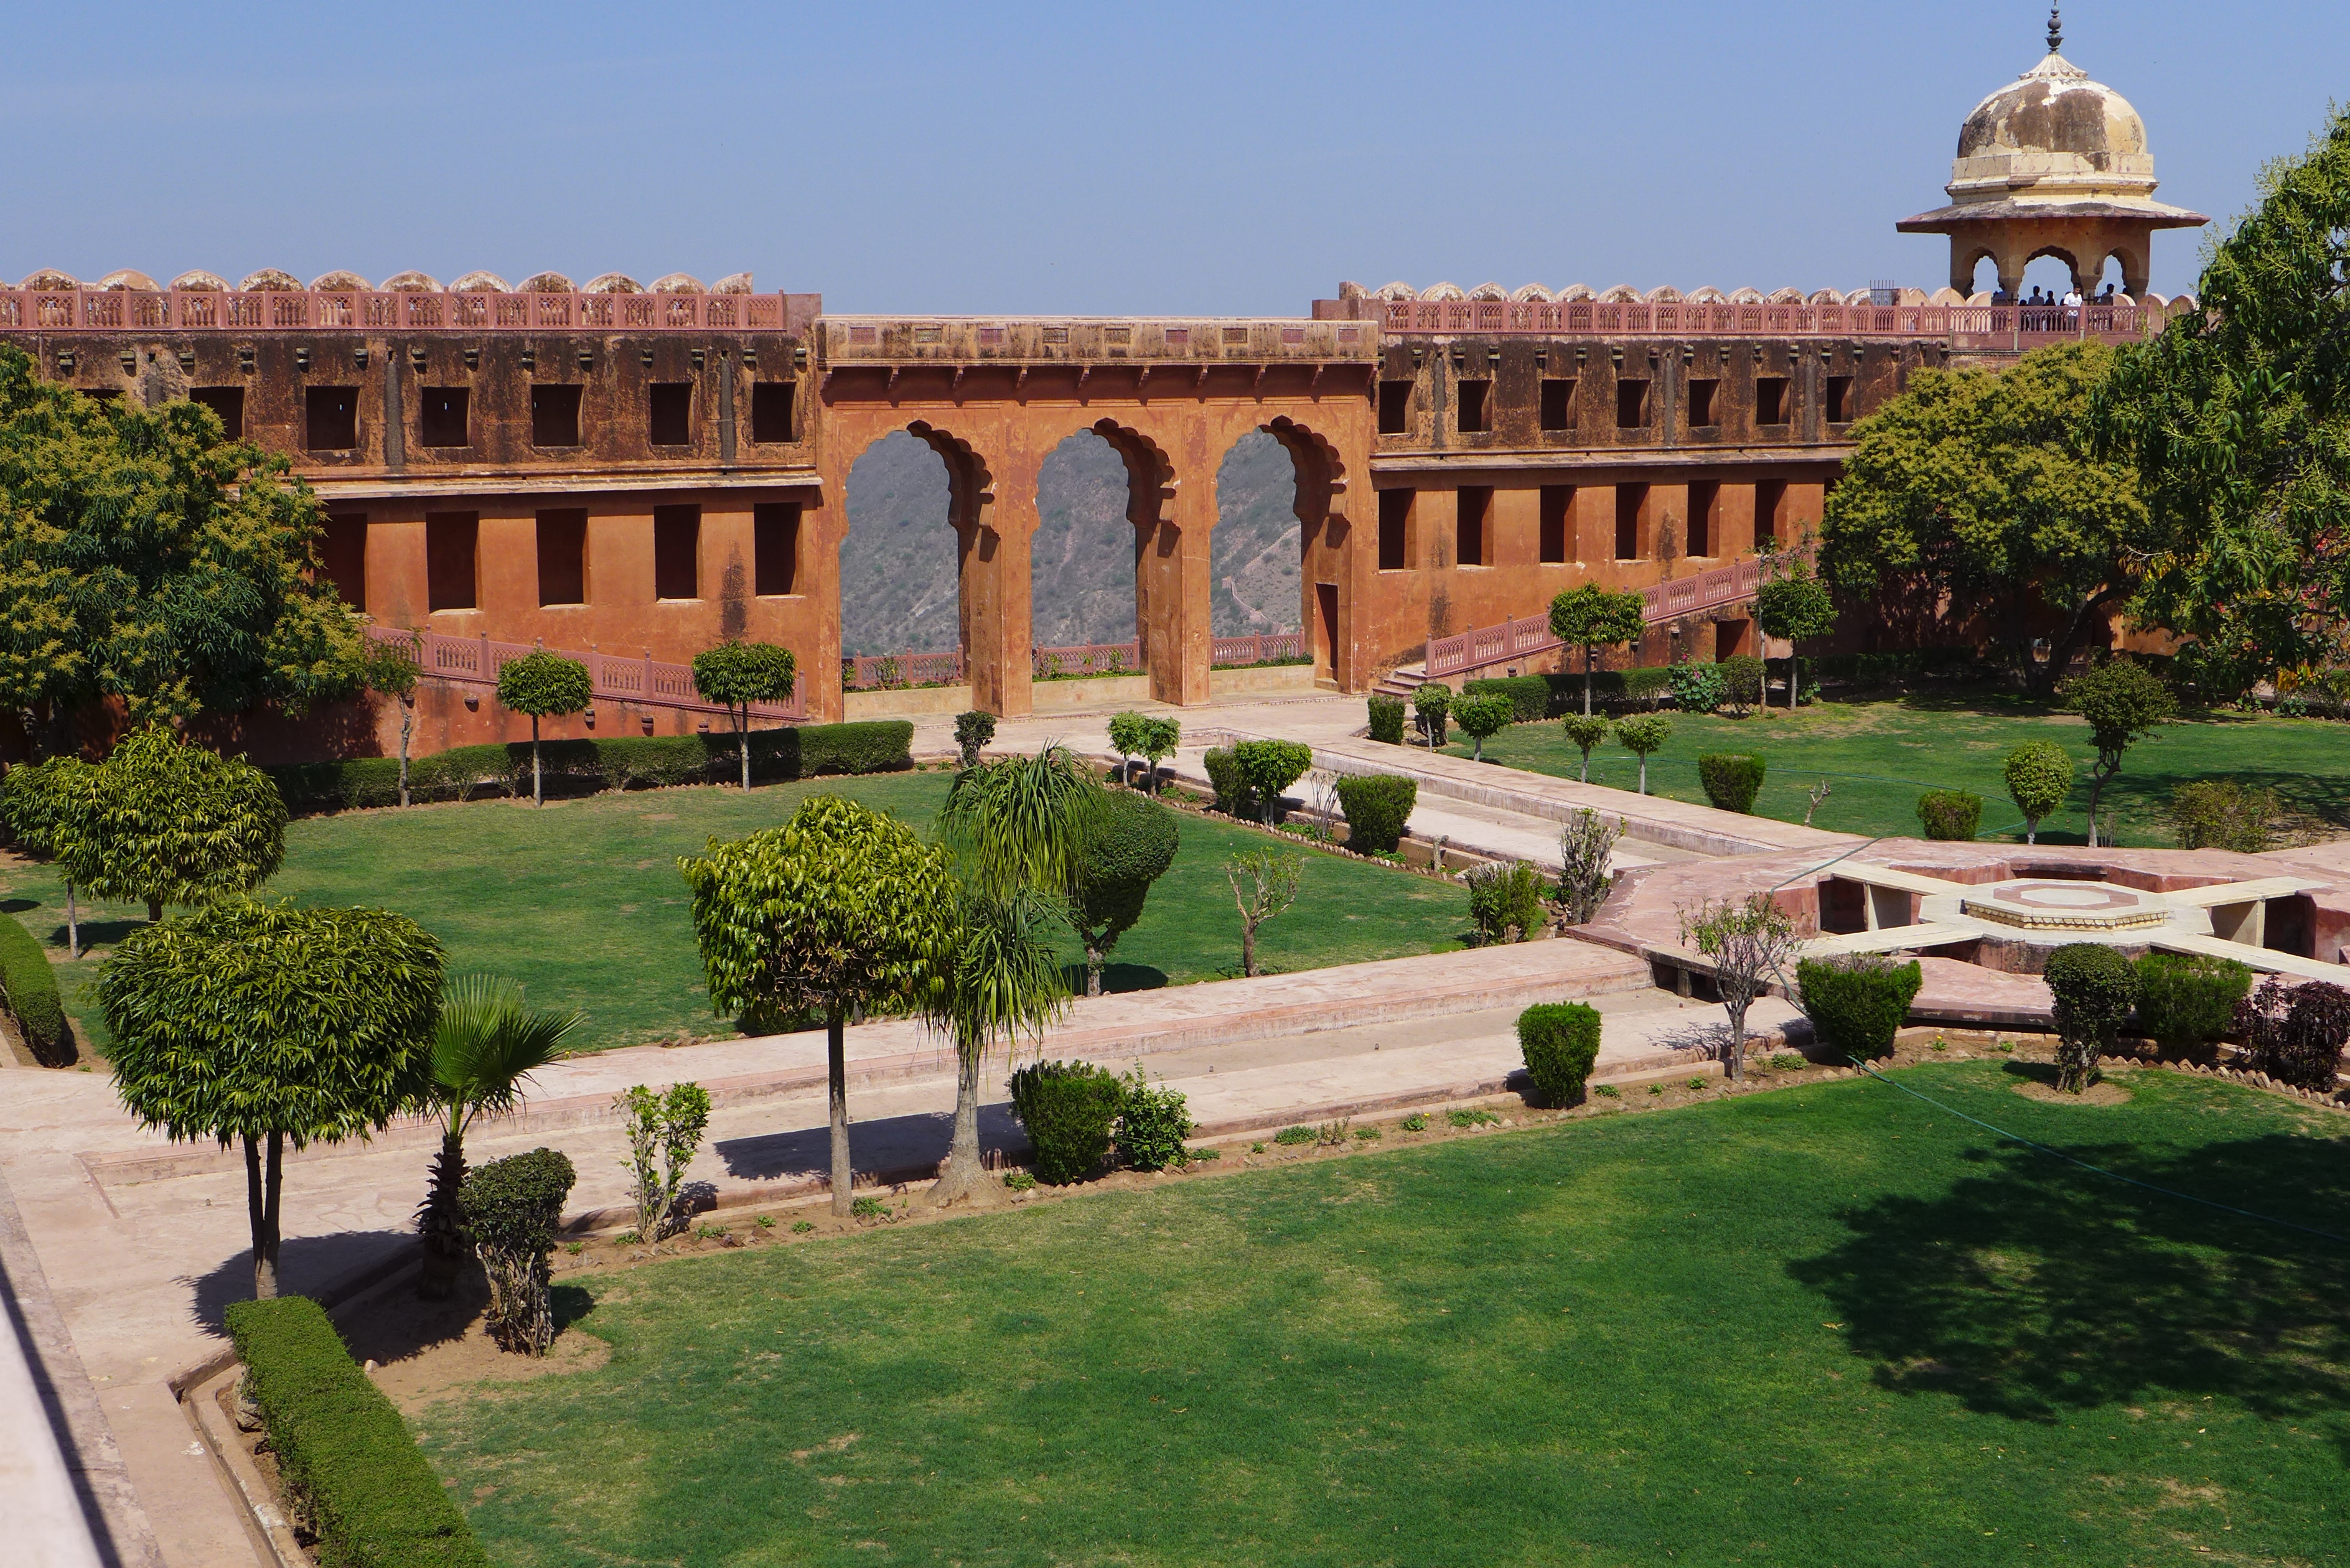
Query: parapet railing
[881,671]
[1529,635]
[647,681]
[300,310]
[1595,317]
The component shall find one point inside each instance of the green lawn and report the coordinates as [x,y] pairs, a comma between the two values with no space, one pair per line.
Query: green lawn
[1880,756]
[582,900]
[1750,1332]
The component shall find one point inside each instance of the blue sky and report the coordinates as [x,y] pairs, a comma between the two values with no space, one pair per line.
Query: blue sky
[1225,159]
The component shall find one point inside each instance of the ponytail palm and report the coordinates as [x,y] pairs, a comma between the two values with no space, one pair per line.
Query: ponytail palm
[1005,985]
[487,1042]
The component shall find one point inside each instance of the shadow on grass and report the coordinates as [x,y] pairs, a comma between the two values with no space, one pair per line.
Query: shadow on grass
[2035,1288]
[1115,978]
[889,1144]
[94,933]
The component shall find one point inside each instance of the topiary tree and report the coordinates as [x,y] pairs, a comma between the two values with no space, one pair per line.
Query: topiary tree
[268,1024]
[47,803]
[1590,618]
[841,911]
[1269,767]
[2296,1033]
[1586,846]
[1130,841]
[1750,942]
[1642,734]
[1070,1110]
[1126,740]
[1559,1042]
[169,823]
[973,730]
[735,675]
[1387,719]
[394,669]
[1160,736]
[1429,704]
[1584,731]
[1856,1003]
[1950,815]
[1264,884]
[1795,608]
[2095,989]
[2038,778]
[1378,808]
[2122,701]
[1731,780]
[485,1044]
[1480,718]
[544,685]
[511,1208]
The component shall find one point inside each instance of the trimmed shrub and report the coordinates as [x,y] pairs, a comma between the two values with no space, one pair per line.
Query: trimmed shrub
[1069,1109]
[2186,1000]
[1480,718]
[512,1207]
[1153,1125]
[2039,776]
[1528,695]
[1429,705]
[1272,766]
[1506,902]
[1950,815]
[1856,1003]
[1742,682]
[346,1458]
[1731,780]
[1230,783]
[1376,808]
[2094,987]
[1560,1041]
[1387,720]
[30,988]
[2295,1032]
[2221,813]
[974,728]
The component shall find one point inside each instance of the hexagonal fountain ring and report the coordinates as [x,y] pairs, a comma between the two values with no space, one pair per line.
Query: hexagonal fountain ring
[2088,907]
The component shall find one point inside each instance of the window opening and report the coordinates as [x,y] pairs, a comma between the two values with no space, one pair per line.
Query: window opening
[1770,400]
[1475,399]
[1557,524]
[1394,408]
[1558,404]
[771,410]
[1704,498]
[442,420]
[670,408]
[330,418]
[342,554]
[677,552]
[450,541]
[1700,402]
[1631,500]
[1839,400]
[228,403]
[775,549]
[1770,500]
[555,416]
[1395,530]
[562,556]
[1631,405]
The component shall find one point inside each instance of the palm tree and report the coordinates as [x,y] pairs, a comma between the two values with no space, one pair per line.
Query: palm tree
[485,1044]
[1005,983]
[1020,821]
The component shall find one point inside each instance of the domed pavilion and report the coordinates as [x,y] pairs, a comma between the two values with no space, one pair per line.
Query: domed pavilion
[2052,165]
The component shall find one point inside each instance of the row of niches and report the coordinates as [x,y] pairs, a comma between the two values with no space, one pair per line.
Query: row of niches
[446,418]
[269,280]
[1623,294]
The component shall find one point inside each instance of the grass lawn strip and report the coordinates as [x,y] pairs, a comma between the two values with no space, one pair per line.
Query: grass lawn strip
[1826,1325]
[1880,756]
[582,902]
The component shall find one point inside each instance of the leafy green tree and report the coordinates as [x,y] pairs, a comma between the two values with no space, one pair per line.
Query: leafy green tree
[1126,740]
[544,685]
[2122,701]
[1590,618]
[841,911]
[1481,718]
[665,1130]
[393,669]
[1981,487]
[485,1042]
[1750,942]
[2237,420]
[1270,767]
[49,805]
[736,674]
[1264,884]
[1130,842]
[1794,607]
[1159,738]
[170,823]
[974,728]
[2039,780]
[1642,734]
[1584,731]
[145,559]
[1432,703]
[266,1025]
[1002,985]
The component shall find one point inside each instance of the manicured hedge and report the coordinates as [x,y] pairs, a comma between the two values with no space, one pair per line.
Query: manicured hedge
[1950,815]
[1857,1004]
[1731,780]
[1070,1110]
[2187,1000]
[1378,806]
[31,988]
[1560,1041]
[346,1458]
[1387,720]
[627,762]
[1529,695]
[1645,687]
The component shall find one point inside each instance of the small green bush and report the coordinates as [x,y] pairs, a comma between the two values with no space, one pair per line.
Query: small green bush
[2221,813]
[1731,780]
[1951,815]
[28,986]
[1231,784]
[1272,766]
[1416,1122]
[1377,808]
[1153,1125]
[1506,902]
[2186,1000]
[1069,1109]
[1429,706]
[512,1207]
[1697,688]
[1470,1118]
[1297,1134]
[1560,1041]
[345,1457]
[1856,1004]
[1528,695]
[1742,682]
[2095,989]
[1387,720]
[974,728]
[1480,718]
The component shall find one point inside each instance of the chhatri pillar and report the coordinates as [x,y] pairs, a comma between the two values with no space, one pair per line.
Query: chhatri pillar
[2052,164]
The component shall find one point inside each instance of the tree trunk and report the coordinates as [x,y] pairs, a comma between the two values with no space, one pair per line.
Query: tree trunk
[2099,778]
[1643,772]
[1093,967]
[154,910]
[835,1051]
[742,744]
[959,1179]
[407,724]
[536,796]
[441,1223]
[1734,1060]
[72,924]
[261,1191]
[1248,946]
[1587,681]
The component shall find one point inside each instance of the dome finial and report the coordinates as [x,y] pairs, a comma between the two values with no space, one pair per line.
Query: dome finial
[2056,30]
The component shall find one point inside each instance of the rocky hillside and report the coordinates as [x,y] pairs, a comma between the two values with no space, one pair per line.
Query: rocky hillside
[898,565]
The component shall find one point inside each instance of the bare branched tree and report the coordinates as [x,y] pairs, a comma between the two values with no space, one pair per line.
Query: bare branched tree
[1750,942]
[1585,846]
